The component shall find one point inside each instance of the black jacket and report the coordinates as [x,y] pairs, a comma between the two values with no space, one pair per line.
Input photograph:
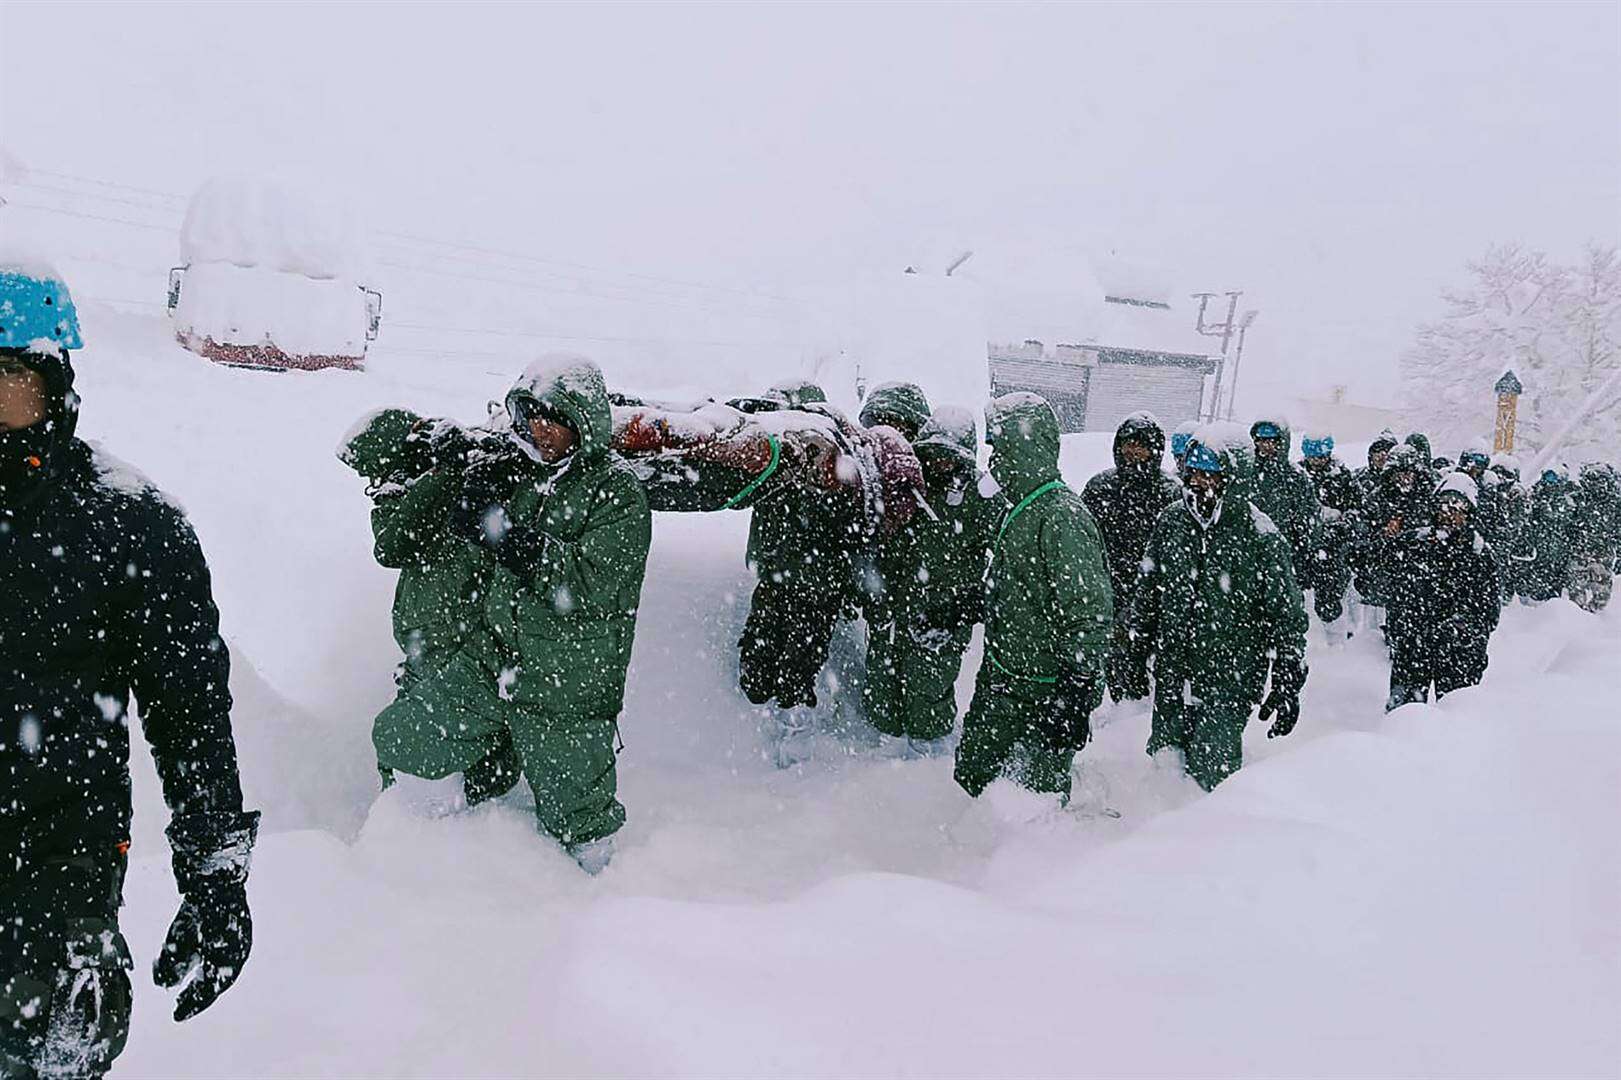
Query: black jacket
[104,592]
[1126,501]
[1443,588]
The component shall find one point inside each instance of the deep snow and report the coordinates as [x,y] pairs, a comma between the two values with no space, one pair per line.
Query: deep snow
[1432,892]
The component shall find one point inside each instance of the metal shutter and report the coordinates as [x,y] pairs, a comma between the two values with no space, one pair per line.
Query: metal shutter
[1171,393]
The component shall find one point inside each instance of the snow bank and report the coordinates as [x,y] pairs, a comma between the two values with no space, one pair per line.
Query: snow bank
[1431,892]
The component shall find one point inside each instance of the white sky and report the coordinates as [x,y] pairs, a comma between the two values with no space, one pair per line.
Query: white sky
[1337,162]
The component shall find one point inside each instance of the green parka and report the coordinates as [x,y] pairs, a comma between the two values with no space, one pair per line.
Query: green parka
[1549,541]
[1049,604]
[568,615]
[932,576]
[1217,605]
[1049,612]
[900,405]
[1288,496]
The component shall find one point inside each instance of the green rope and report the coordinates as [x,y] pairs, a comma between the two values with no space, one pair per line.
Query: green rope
[1023,503]
[776,456]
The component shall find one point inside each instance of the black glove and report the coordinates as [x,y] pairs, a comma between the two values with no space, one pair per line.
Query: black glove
[1288,678]
[212,933]
[486,485]
[1078,693]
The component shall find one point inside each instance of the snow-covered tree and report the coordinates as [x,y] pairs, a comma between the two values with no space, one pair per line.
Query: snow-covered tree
[1557,327]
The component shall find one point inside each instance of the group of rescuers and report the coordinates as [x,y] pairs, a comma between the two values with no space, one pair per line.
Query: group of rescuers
[522,546]
[521,574]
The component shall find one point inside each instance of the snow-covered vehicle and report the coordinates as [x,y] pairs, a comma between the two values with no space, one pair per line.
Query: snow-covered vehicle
[271,277]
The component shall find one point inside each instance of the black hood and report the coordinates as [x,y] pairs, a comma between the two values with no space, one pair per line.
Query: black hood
[1144,428]
[60,423]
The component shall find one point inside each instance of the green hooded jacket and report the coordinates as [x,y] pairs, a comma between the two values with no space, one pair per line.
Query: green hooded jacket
[1288,496]
[1215,605]
[933,569]
[436,600]
[900,405]
[1049,605]
[568,617]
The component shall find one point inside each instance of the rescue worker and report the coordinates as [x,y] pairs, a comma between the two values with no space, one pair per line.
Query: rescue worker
[1047,618]
[1443,602]
[1340,509]
[1219,613]
[558,529]
[105,594]
[1285,494]
[1125,501]
[932,590]
[1598,536]
[1550,536]
[899,405]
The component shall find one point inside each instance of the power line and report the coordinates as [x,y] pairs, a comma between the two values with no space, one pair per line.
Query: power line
[518,283]
[105,183]
[434,242]
[92,195]
[587,337]
[92,217]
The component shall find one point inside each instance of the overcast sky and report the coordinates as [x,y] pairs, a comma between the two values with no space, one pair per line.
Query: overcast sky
[1337,162]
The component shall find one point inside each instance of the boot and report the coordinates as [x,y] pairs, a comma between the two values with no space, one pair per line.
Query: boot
[593,855]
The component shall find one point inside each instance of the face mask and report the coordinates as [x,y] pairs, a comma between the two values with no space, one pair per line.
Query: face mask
[24,457]
[1204,505]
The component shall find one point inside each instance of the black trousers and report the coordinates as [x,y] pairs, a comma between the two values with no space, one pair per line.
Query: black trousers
[64,966]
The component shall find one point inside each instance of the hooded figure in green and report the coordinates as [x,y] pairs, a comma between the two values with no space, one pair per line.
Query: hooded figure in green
[1598,536]
[900,405]
[1288,496]
[1216,608]
[932,588]
[1048,613]
[415,470]
[557,529]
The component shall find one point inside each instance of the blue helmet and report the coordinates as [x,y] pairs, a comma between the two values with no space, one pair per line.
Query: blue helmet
[1266,429]
[1317,447]
[1201,458]
[36,307]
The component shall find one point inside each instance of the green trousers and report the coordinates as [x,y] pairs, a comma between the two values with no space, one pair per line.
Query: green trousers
[64,984]
[1009,731]
[1209,734]
[911,686]
[454,719]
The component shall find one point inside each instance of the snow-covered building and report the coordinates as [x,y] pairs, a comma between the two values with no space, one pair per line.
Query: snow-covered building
[1126,344]
[272,277]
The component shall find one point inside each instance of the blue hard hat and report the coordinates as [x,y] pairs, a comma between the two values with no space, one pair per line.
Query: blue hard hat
[1179,442]
[1266,429]
[1550,475]
[36,308]
[1315,448]
[1203,459]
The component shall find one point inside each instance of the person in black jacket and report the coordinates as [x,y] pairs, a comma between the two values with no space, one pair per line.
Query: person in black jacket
[1125,501]
[103,593]
[1443,601]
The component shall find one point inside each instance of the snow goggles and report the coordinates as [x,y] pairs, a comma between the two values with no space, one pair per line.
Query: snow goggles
[1468,458]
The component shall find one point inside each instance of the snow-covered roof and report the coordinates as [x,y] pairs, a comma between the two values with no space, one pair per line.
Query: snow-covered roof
[270,224]
[1076,298]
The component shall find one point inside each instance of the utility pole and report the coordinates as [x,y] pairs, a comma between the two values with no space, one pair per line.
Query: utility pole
[1238,356]
[1223,330]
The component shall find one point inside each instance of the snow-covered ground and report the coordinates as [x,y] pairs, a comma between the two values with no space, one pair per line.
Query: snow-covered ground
[1433,892]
